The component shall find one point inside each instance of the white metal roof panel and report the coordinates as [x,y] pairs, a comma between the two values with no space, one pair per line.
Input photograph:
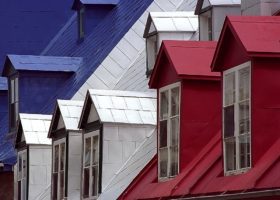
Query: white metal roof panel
[225,2]
[124,106]
[70,111]
[35,128]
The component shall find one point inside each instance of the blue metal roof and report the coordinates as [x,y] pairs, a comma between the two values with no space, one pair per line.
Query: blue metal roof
[97,44]
[45,63]
[104,2]
[3,83]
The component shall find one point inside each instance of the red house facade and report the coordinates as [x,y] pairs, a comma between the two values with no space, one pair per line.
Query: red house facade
[240,158]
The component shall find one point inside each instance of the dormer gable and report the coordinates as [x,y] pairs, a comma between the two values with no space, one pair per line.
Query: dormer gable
[66,117]
[167,26]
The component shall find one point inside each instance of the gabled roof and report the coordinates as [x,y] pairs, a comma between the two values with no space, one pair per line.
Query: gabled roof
[3,84]
[35,128]
[43,63]
[171,22]
[258,35]
[203,5]
[113,106]
[69,111]
[190,59]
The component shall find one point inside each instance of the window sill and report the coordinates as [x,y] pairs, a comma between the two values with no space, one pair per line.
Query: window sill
[237,172]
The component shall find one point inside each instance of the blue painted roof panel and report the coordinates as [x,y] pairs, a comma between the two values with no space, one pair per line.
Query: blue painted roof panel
[3,83]
[45,63]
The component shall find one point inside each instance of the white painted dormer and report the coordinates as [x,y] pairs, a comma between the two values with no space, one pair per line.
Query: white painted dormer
[167,26]
[211,15]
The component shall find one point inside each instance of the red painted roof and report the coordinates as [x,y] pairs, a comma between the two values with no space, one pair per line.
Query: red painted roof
[204,176]
[190,59]
[259,35]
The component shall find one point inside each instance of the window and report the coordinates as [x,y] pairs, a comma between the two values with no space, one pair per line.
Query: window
[205,25]
[91,165]
[81,31]
[21,174]
[169,117]
[13,102]
[236,119]
[151,52]
[58,175]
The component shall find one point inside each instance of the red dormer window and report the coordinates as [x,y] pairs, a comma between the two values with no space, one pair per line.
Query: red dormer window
[237,119]
[169,117]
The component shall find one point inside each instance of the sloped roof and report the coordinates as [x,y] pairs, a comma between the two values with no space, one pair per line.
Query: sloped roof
[190,59]
[203,5]
[116,106]
[138,160]
[44,63]
[171,22]
[258,35]
[35,128]
[112,2]
[3,83]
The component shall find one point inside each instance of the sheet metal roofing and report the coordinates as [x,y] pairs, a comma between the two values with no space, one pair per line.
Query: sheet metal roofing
[3,83]
[203,5]
[70,111]
[190,59]
[171,22]
[124,106]
[35,128]
[45,63]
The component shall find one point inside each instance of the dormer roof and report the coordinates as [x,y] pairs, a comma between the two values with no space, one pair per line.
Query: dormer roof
[190,59]
[204,5]
[41,63]
[67,114]
[170,22]
[113,106]
[35,128]
[77,3]
[257,35]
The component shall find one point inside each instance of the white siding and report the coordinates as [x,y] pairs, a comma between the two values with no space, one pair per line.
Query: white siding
[173,36]
[260,7]
[74,165]
[39,170]
[119,143]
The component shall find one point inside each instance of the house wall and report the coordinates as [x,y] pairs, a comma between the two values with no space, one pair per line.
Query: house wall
[119,143]
[259,7]
[265,102]
[74,165]
[173,36]
[200,109]
[40,160]
[7,187]
[3,104]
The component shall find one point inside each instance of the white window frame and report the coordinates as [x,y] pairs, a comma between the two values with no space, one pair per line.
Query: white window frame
[86,136]
[163,89]
[238,170]
[22,176]
[55,143]
[151,52]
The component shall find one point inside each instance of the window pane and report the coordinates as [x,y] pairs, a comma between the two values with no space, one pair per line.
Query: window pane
[19,190]
[229,121]
[62,156]
[54,186]
[163,134]
[13,116]
[56,151]
[175,101]
[61,184]
[244,83]
[94,180]
[12,91]
[163,153]
[174,160]
[230,152]
[87,151]
[23,189]
[24,165]
[174,131]
[164,105]
[244,123]
[86,183]
[19,166]
[95,155]
[16,89]
[229,89]
[244,149]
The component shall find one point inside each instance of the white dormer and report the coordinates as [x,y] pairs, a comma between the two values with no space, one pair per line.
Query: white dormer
[212,13]
[167,26]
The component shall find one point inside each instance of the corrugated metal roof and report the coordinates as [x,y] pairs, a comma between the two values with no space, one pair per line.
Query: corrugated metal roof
[45,63]
[35,128]
[3,83]
[125,106]
[70,111]
[171,22]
